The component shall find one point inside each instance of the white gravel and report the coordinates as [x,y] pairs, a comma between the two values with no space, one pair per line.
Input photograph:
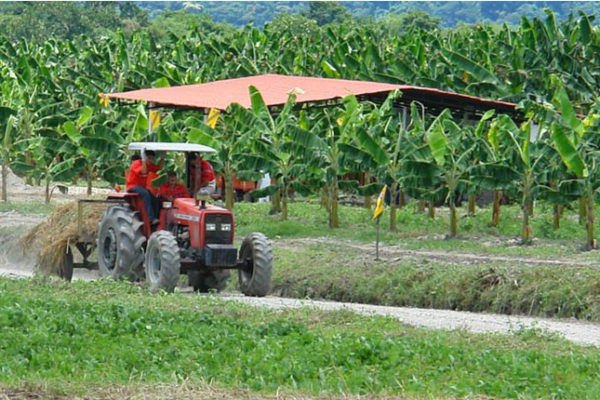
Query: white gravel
[580,332]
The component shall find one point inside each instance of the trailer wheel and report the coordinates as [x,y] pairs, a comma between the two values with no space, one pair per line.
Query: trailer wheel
[162,261]
[67,269]
[206,281]
[255,276]
[120,241]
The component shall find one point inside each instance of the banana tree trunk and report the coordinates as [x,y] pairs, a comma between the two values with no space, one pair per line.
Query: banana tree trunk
[452,219]
[471,205]
[334,218]
[431,209]
[393,208]
[284,203]
[525,229]
[421,206]
[589,222]
[89,186]
[526,206]
[556,216]
[496,207]
[4,181]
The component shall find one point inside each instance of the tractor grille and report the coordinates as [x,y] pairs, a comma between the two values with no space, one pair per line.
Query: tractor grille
[218,236]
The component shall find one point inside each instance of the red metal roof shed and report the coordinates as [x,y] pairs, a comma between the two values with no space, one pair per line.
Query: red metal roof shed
[275,90]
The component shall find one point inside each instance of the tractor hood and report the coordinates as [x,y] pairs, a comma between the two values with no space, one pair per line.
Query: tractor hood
[188,206]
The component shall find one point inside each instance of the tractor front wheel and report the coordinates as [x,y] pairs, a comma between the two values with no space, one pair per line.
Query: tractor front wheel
[120,241]
[255,276]
[162,261]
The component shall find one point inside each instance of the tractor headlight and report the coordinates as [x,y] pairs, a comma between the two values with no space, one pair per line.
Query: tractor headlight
[226,227]
[211,227]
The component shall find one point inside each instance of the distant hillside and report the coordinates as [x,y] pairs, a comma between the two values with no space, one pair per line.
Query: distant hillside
[240,13]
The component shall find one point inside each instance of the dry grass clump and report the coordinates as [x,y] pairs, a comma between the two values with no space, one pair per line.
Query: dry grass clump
[60,230]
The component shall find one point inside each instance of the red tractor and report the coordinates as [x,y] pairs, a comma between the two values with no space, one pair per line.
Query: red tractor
[192,237]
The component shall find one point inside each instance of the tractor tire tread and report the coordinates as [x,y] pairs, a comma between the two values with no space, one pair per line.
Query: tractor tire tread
[130,240]
[259,282]
[170,262]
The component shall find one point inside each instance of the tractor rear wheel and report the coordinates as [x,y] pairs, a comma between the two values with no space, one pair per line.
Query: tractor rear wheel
[162,261]
[120,241]
[255,276]
[207,281]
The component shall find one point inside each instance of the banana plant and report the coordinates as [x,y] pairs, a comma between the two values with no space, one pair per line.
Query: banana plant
[383,146]
[448,158]
[575,140]
[53,161]
[9,124]
[281,147]
[338,128]
[96,145]
[525,158]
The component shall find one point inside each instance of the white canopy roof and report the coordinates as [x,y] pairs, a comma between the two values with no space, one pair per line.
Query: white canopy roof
[164,146]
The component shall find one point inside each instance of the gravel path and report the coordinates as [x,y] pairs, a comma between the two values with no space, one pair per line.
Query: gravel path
[584,333]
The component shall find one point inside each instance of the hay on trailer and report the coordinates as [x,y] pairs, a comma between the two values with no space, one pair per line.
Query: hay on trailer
[60,230]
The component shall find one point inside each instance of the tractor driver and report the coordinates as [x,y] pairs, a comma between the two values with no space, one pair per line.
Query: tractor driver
[136,182]
[172,189]
[202,175]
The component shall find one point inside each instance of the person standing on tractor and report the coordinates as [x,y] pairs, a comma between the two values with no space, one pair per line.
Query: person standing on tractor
[172,189]
[202,175]
[137,179]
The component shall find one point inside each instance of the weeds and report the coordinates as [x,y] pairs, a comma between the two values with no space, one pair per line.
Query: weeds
[111,333]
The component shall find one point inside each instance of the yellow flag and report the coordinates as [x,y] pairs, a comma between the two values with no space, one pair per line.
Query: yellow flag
[380,203]
[155,118]
[213,117]
[103,99]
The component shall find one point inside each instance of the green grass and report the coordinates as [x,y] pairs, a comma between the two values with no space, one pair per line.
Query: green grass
[33,207]
[71,336]
[417,231]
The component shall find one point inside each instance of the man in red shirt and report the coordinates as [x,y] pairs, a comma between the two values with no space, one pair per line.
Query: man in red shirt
[172,189]
[136,182]
[202,174]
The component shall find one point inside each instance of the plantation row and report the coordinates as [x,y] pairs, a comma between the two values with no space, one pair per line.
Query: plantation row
[55,129]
